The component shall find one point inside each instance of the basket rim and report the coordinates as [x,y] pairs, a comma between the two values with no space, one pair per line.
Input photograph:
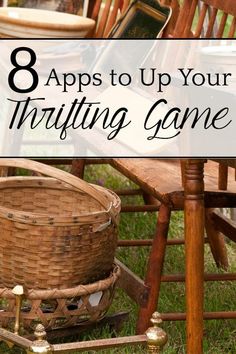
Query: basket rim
[79,290]
[60,175]
[27,217]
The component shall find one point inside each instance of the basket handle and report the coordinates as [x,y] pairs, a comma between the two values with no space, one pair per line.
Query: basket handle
[62,176]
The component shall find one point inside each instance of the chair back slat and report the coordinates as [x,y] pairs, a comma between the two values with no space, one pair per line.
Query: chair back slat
[103,20]
[125,5]
[223,22]
[200,24]
[212,21]
[232,29]
[96,10]
[112,17]
[190,18]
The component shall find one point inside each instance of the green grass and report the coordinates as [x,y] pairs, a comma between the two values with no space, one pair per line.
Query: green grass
[219,335]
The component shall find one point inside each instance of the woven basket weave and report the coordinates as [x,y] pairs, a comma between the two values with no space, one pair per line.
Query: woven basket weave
[55,232]
[58,308]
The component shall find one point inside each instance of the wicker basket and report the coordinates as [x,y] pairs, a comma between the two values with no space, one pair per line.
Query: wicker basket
[60,308]
[55,232]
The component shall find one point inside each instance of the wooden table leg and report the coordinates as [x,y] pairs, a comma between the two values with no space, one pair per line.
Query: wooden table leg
[194,249]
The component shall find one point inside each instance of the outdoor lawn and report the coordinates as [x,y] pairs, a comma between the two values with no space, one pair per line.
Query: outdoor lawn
[220,335]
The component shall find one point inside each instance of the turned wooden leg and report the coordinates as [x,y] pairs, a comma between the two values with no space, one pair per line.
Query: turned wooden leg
[216,241]
[77,167]
[154,269]
[194,250]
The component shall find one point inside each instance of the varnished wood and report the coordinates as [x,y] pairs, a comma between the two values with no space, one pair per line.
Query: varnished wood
[207,277]
[211,23]
[154,269]
[227,6]
[191,21]
[149,242]
[90,8]
[223,177]
[150,174]
[224,225]
[216,241]
[232,28]
[117,5]
[202,17]
[220,199]
[222,25]
[206,315]
[227,162]
[77,167]
[104,18]
[133,285]
[213,199]
[194,254]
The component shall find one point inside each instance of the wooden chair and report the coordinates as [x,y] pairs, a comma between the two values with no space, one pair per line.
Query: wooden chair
[150,174]
[197,19]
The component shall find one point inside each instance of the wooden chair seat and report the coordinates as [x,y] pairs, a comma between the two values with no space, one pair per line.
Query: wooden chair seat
[162,177]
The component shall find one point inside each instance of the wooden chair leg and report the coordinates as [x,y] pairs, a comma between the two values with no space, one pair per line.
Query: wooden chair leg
[155,266]
[77,167]
[216,241]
